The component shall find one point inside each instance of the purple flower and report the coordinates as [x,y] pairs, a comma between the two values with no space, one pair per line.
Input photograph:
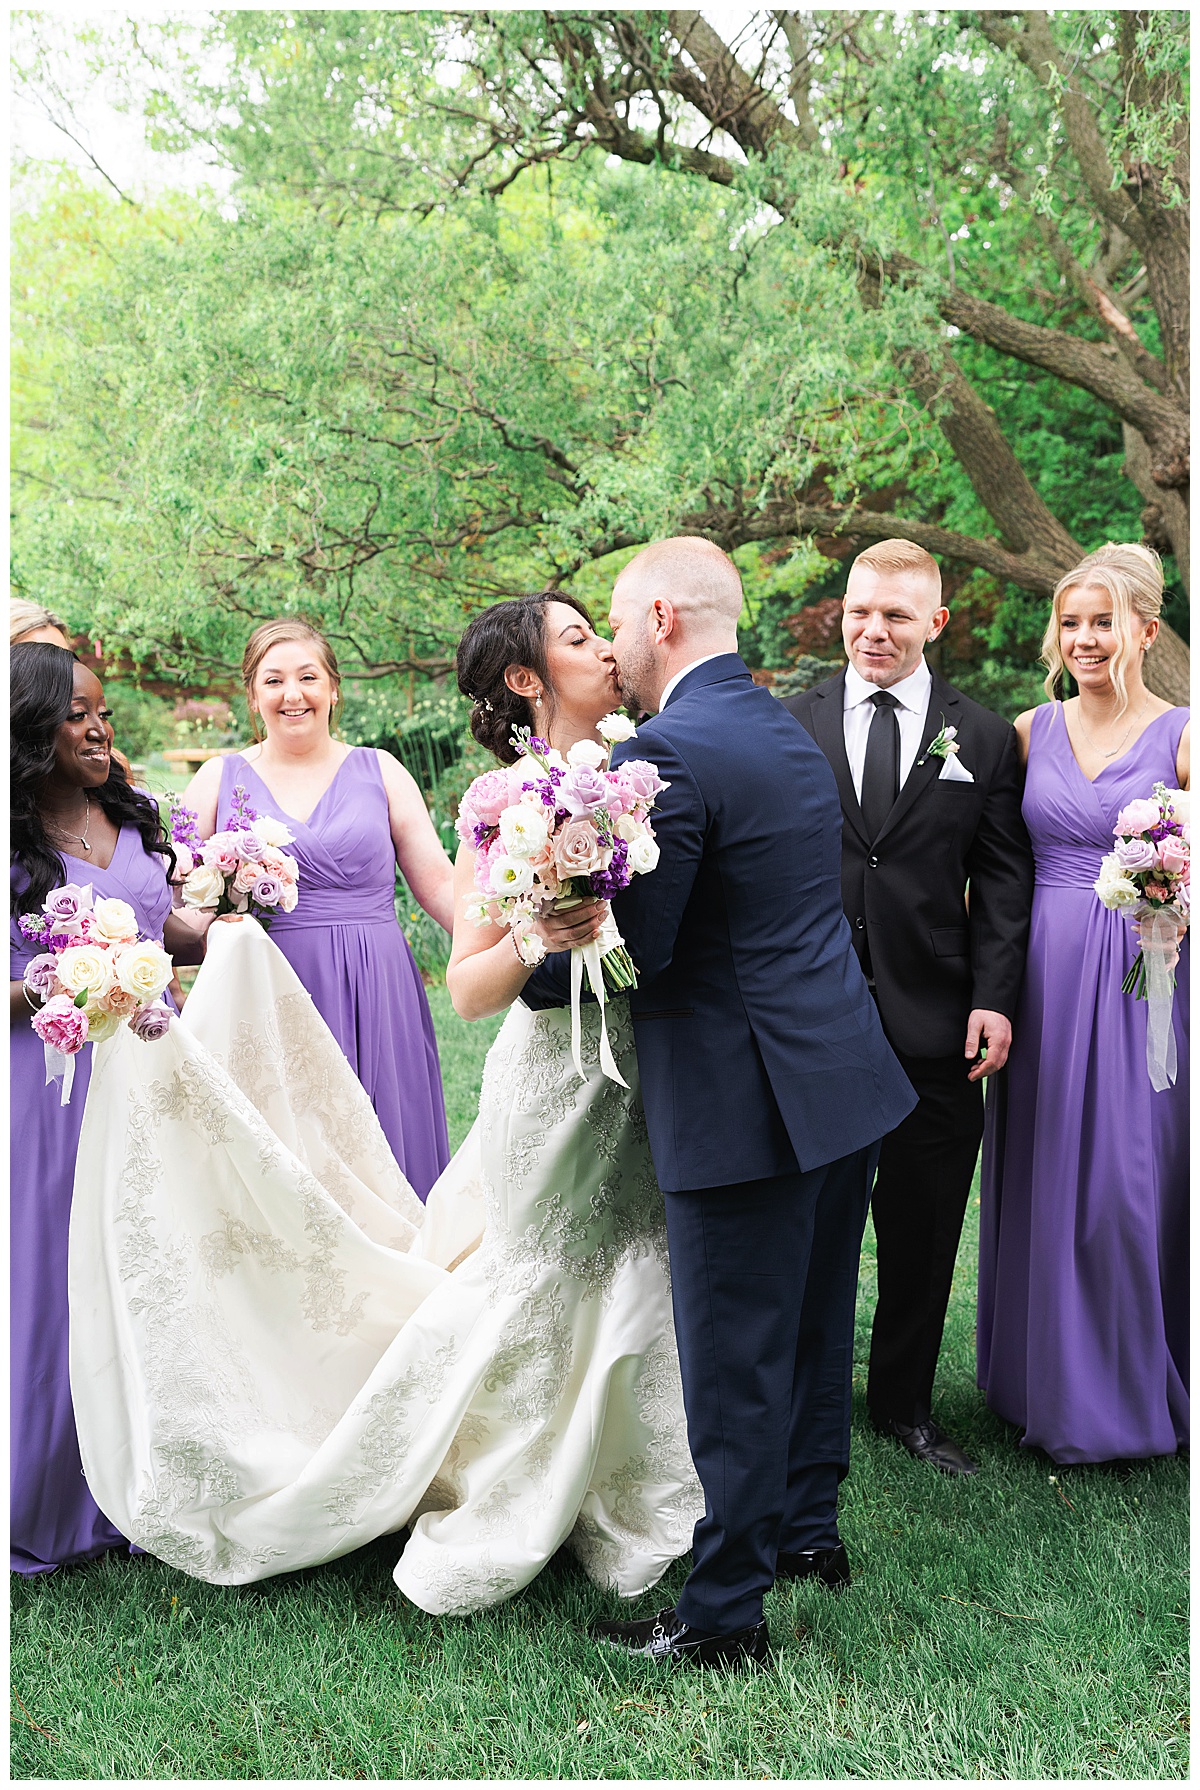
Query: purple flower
[41,976]
[607,883]
[34,926]
[150,1022]
[58,941]
[267,890]
[538,745]
[241,813]
[185,829]
[67,906]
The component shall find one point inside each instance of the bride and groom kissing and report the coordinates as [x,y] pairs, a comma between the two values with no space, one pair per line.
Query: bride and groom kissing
[319,1363]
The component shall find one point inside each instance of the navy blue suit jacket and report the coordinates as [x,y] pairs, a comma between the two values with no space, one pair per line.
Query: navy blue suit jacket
[759,1047]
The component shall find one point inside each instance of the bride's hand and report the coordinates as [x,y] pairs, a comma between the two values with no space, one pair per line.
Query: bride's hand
[577,926]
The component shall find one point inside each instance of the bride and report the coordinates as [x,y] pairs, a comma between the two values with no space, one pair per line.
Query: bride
[277,1355]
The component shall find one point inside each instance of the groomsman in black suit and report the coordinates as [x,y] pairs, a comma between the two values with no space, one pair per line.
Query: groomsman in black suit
[937,882]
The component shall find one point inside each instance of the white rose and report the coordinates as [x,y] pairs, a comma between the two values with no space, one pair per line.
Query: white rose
[204,887]
[643,854]
[1114,888]
[511,876]
[85,966]
[271,832]
[289,898]
[587,752]
[1181,802]
[143,970]
[524,830]
[102,1023]
[115,921]
[615,728]
[628,827]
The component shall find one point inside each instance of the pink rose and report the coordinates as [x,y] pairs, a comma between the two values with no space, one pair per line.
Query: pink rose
[582,790]
[577,849]
[218,852]
[150,1023]
[247,877]
[67,907]
[643,778]
[1138,817]
[489,796]
[118,1001]
[41,977]
[1175,855]
[62,1025]
[267,890]
[185,863]
[1136,854]
[289,898]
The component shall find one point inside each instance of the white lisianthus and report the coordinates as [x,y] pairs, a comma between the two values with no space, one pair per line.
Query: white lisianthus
[114,920]
[85,966]
[204,887]
[1113,886]
[524,830]
[510,876]
[143,970]
[616,728]
[271,831]
[102,1023]
[643,854]
[588,752]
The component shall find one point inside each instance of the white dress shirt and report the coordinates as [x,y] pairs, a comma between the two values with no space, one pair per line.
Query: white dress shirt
[671,682]
[912,695]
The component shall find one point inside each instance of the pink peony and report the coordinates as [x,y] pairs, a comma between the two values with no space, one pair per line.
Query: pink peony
[67,907]
[41,977]
[1139,817]
[62,1025]
[489,796]
[150,1023]
[577,849]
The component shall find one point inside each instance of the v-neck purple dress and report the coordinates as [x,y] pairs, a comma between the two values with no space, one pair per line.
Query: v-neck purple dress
[53,1517]
[344,942]
[1083,1260]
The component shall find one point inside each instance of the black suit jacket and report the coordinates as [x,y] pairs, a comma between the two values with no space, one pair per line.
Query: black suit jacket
[905,892]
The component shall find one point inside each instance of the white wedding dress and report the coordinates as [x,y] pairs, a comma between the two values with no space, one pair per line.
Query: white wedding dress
[277,1354]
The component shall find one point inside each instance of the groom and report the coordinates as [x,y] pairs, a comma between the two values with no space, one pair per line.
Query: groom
[767,1084]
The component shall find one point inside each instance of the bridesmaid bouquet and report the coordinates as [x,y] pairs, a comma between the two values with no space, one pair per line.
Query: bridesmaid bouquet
[243,870]
[548,832]
[94,974]
[1148,874]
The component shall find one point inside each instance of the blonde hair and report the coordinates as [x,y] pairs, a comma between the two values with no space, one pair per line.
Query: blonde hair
[25,617]
[269,634]
[1132,579]
[897,556]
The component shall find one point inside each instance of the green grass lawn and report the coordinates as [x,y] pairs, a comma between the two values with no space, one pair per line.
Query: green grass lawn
[1031,1623]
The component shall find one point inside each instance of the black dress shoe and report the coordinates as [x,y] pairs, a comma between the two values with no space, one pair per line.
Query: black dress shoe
[926,1442]
[668,1641]
[830,1565]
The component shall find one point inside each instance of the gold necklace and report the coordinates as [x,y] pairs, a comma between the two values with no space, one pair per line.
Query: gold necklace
[1091,742]
[82,837]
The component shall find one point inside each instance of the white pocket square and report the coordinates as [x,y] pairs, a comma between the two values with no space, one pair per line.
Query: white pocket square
[953,771]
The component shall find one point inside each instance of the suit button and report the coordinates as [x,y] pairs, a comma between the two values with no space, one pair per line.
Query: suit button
[873,862]
[860,922]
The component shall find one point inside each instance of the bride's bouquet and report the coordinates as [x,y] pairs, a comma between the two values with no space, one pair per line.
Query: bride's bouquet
[1148,875]
[548,832]
[95,973]
[243,870]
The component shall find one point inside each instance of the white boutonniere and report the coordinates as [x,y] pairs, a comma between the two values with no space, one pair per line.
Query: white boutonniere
[944,744]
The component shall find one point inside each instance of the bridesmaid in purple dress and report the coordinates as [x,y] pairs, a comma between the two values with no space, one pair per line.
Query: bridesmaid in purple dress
[355,813]
[1083,1296]
[74,819]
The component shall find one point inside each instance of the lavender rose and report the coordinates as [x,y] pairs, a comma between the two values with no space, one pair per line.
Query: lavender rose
[150,1022]
[41,977]
[268,889]
[67,906]
[582,790]
[1135,854]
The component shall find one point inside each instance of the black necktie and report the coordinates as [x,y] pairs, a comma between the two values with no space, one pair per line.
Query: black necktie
[881,767]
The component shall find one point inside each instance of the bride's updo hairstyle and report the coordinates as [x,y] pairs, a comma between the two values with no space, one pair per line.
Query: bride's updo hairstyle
[269,634]
[506,635]
[1132,578]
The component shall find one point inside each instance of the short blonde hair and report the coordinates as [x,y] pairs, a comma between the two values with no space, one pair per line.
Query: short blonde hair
[1131,577]
[274,633]
[25,617]
[904,557]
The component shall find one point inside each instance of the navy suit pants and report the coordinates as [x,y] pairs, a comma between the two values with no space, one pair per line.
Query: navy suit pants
[764,1276]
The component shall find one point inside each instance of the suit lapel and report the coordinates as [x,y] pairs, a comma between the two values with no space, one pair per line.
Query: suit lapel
[829,729]
[926,769]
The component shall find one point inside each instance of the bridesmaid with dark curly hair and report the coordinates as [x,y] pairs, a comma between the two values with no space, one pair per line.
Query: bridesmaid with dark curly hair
[74,819]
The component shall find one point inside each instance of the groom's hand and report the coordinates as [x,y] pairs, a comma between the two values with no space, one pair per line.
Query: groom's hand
[993,1030]
[577,925]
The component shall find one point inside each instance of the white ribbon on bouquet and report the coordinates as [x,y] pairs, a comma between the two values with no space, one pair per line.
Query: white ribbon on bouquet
[59,1063]
[1158,931]
[589,956]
